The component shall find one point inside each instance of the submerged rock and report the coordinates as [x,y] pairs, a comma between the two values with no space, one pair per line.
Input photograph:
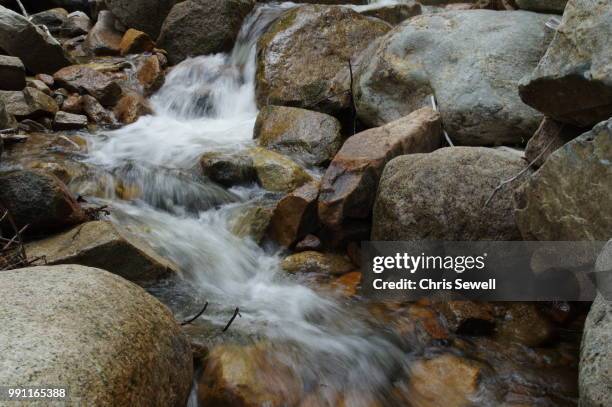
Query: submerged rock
[596,356]
[308,137]
[107,339]
[433,54]
[39,52]
[39,200]
[316,262]
[443,196]
[101,244]
[573,81]
[248,376]
[570,197]
[349,185]
[182,34]
[293,72]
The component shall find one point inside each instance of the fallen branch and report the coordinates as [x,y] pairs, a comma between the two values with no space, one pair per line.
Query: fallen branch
[190,320]
[236,314]
[434,105]
[517,176]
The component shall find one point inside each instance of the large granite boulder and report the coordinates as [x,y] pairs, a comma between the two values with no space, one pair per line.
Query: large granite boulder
[573,81]
[542,6]
[308,137]
[349,185]
[570,197]
[104,337]
[143,15]
[448,195]
[39,52]
[39,200]
[435,54]
[303,59]
[595,378]
[101,244]
[201,27]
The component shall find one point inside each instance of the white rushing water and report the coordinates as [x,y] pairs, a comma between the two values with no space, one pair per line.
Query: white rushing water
[208,104]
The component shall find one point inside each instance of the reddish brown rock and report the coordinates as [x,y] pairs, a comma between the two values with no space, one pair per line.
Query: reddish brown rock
[349,185]
[103,38]
[150,74]
[295,215]
[347,284]
[73,104]
[550,136]
[83,79]
[96,112]
[135,42]
[131,107]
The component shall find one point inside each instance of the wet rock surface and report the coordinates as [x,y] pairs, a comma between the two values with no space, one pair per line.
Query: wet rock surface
[81,348]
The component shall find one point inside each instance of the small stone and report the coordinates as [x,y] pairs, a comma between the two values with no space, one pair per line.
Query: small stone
[39,85]
[96,112]
[12,73]
[131,107]
[135,42]
[46,79]
[69,121]
[73,104]
[309,243]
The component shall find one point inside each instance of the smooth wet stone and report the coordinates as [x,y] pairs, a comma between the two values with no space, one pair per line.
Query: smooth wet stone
[228,169]
[307,137]
[107,339]
[101,244]
[39,200]
[275,172]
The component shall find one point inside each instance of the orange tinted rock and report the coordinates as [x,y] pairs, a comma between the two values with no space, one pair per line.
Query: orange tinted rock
[348,188]
[150,74]
[315,262]
[446,380]
[347,284]
[135,42]
[295,215]
[131,107]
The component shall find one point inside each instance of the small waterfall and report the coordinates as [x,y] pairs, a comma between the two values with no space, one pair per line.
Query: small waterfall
[207,104]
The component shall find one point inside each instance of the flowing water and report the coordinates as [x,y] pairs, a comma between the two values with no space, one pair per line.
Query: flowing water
[207,104]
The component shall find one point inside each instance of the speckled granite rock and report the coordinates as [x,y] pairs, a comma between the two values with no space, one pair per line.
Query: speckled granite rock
[106,338]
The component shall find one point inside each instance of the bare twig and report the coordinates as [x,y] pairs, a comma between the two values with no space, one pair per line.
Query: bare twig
[434,105]
[352,96]
[236,313]
[517,176]
[190,320]
[23,10]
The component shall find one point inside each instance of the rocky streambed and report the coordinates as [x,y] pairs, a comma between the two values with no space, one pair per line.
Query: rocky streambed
[226,158]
